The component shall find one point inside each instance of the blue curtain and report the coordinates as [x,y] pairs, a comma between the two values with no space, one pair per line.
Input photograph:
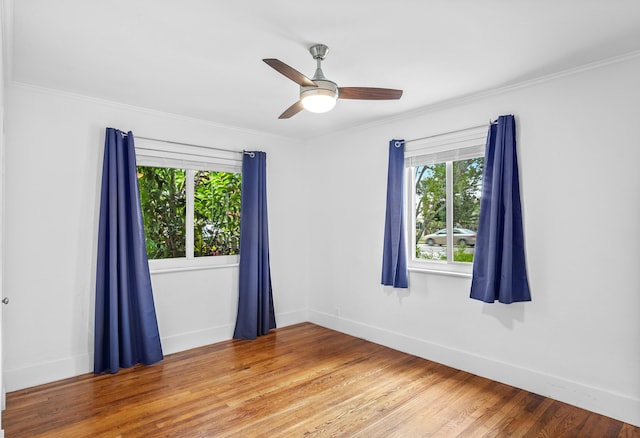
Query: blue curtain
[126,329]
[255,300]
[499,267]
[394,255]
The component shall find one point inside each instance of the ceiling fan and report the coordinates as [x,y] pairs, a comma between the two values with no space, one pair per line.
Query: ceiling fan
[319,94]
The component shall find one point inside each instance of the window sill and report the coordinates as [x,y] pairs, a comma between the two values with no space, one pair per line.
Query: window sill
[189,268]
[448,273]
[165,266]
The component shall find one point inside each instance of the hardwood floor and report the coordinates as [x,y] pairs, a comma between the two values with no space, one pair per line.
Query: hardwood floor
[301,380]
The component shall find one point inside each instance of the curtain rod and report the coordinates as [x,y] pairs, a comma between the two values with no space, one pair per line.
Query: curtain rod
[449,132]
[193,145]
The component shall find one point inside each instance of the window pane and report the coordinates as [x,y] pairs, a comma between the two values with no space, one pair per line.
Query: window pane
[430,214]
[162,197]
[216,225]
[467,189]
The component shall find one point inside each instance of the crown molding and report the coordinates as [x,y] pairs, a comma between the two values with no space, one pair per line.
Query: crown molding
[143,110]
[484,94]
[427,109]
[525,83]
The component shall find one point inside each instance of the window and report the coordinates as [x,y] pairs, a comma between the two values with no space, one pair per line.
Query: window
[190,202]
[166,200]
[444,186]
[164,208]
[216,225]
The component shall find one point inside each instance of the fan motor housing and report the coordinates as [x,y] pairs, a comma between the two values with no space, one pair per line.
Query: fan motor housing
[327,88]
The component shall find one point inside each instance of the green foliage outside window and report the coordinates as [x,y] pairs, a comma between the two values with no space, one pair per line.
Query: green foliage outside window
[163,201]
[217,213]
[467,191]
[216,204]
[431,214]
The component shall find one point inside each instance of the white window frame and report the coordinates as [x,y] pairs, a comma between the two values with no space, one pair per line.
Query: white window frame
[443,148]
[191,158]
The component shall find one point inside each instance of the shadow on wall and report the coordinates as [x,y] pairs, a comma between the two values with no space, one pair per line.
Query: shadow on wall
[400,293]
[506,314]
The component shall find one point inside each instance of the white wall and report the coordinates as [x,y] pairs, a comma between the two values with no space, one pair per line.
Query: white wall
[579,339]
[54,153]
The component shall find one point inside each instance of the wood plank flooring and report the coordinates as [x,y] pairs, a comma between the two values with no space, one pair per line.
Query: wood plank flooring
[301,380]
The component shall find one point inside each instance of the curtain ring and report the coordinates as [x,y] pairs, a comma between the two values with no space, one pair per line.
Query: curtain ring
[398,143]
[251,154]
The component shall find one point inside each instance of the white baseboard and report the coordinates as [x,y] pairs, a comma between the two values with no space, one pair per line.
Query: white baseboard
[189,340]
[48,372]
[610,404]
[291,318]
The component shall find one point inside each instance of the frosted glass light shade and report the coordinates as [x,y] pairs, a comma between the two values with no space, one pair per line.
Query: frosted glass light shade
[319,100]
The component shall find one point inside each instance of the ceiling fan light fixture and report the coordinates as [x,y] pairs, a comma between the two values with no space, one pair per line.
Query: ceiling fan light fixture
[318,94]
[320,99]
[319,102]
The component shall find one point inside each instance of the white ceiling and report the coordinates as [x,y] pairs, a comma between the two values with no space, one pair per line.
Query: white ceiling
[203,58]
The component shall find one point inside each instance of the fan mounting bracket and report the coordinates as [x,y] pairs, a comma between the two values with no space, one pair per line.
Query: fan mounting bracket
[319,51]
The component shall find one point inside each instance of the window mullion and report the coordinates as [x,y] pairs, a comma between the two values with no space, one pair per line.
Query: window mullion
[190,190]
[410,202]
[449,215]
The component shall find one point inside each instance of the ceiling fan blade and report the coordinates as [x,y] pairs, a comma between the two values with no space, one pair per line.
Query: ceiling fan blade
[290,72]
[292,110]
[367,93]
